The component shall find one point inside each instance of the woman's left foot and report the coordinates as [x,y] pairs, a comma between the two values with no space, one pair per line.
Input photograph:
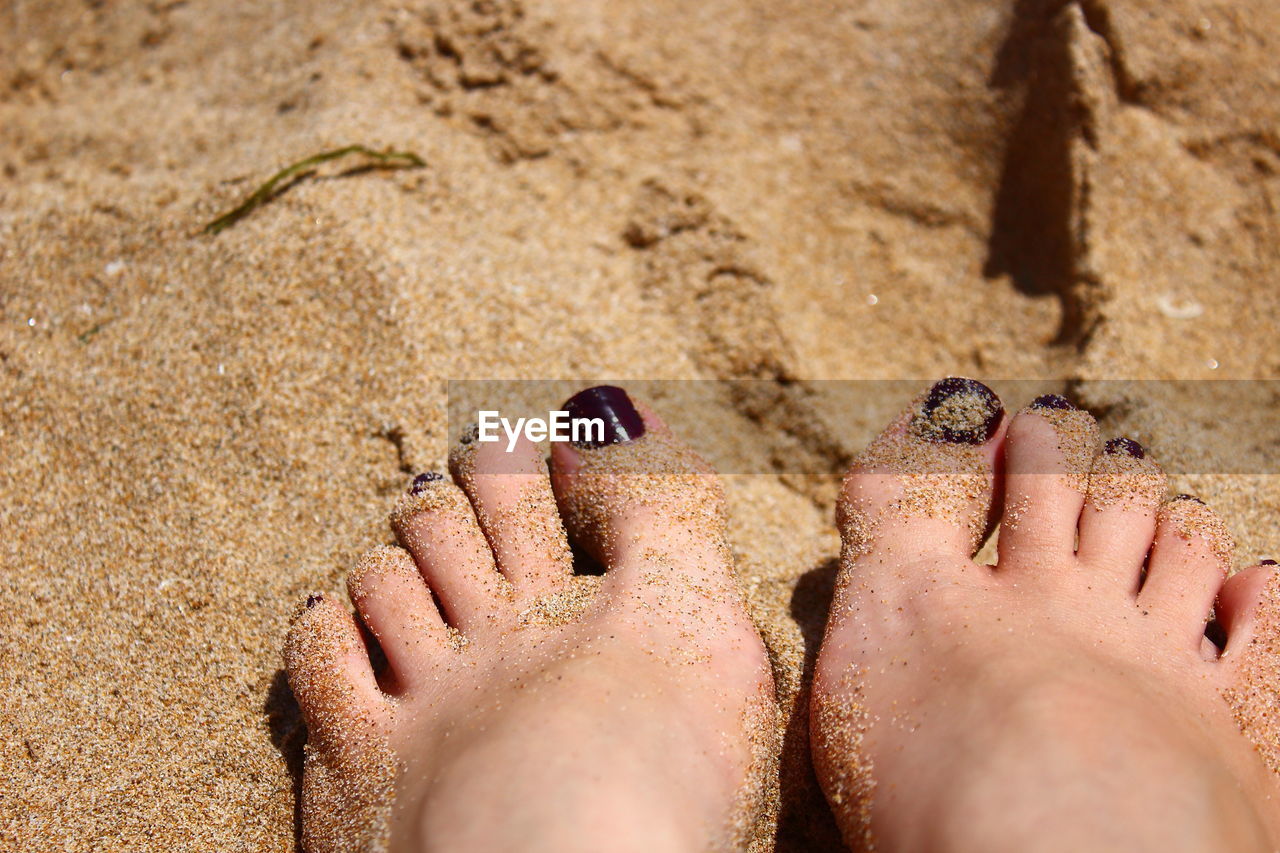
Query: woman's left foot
[1067,697]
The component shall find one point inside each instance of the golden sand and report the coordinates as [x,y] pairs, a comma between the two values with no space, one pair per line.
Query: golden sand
[198,431]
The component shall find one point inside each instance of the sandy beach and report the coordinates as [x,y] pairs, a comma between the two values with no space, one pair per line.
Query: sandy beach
[199,430]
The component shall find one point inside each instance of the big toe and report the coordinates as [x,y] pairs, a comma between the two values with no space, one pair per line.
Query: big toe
[641,501]
[924,488]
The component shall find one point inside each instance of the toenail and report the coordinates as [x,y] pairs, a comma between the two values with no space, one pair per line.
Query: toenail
[959,411]
[1051,401]
[1267,563]
[314,599]
[1187,498]
[421,481]
[613,407]
[469,434]
[1116,446]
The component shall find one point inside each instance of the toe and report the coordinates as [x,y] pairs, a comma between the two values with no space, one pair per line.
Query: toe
[1119,518]
[1249,611]
[1189,560]
[330,673]
[639,497]
[1048,451]
[435,524]
[1240,601]
[924,488]
[516,509]
[394,603]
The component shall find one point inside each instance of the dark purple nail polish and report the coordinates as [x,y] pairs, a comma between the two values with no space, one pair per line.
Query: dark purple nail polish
[314,599]
[1187,498]
[469,434]
[421,482]
[1268,563]
[959,411]
[1116,446]
[1052,401]
[613,407]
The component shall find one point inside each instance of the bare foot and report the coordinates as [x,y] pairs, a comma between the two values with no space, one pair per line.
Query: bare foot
[1065,698]
[525,708]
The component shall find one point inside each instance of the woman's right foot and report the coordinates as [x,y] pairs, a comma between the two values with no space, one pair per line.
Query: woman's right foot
[524,708]
[1067,697]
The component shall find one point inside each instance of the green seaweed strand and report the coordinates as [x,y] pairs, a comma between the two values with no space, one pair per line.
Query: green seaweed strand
[264,193]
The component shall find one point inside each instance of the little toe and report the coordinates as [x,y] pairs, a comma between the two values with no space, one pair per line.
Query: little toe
[1239,603]
[435,524]
[1249,612]
[1189,560]
[1118,521]
[924,487]
[1049,448]
[330,673]
[639,496]
[516,509]
[396,606]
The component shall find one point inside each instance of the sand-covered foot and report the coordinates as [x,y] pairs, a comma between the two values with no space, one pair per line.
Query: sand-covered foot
[1065,698]
[523,707]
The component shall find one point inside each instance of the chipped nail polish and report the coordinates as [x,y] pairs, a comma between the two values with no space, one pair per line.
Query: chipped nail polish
[470,434]
[1052,401]
[1268,563]
[958,411]
[1116,446]
[1187,498]
[613,407]
[423,480]
[314,599]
